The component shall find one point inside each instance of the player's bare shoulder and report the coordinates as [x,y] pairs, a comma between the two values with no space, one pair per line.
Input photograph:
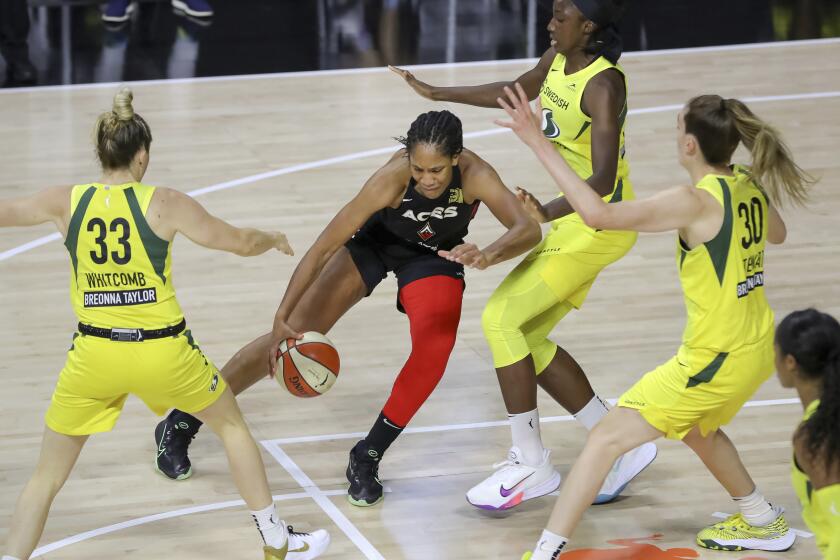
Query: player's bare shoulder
[391,179]
[476,173]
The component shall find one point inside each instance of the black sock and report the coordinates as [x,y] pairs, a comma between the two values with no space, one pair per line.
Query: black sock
[381,436]
[180,418]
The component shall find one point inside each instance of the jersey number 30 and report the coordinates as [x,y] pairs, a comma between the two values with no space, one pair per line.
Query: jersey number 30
[101,256]
[753,216]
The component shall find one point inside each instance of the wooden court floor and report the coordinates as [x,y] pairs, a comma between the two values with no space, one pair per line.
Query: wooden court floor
[266,148]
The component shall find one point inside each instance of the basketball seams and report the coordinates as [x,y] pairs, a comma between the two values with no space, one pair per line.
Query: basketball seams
[315,358]
[309,366]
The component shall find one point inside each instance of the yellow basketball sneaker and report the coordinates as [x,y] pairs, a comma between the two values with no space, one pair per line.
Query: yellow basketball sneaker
[526,556]
[735,533]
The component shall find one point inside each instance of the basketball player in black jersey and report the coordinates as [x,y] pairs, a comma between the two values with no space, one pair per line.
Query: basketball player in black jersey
[410,218]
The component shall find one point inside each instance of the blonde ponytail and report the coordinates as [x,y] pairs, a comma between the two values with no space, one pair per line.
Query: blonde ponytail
[772,166]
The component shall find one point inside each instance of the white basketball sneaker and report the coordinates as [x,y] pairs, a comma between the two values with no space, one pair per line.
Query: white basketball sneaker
[300,546]
[514,482]
[625,469]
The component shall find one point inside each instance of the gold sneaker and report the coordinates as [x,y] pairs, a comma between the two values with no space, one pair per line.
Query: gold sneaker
[735,533]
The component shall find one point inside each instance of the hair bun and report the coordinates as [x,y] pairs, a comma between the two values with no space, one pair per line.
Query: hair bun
[122,104]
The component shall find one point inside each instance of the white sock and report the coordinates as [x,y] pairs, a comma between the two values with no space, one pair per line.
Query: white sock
[592,413]
[272,529]
[525,432]
[549,546]
[756,510]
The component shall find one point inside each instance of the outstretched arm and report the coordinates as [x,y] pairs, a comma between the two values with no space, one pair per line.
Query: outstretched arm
[378,192]
[672,209]
[49,205]
[173,211]
[523,232]
[482,95]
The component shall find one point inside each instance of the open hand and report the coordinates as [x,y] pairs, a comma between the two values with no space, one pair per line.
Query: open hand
[533,206]
[422,88]
[282,244]
[282,331]
[468,254]
[525,123]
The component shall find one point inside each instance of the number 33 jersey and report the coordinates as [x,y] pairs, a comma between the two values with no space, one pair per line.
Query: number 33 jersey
[723,279]
[121,272]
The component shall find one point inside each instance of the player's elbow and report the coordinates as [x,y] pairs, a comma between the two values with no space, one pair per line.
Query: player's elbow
[597,217]
[777,235]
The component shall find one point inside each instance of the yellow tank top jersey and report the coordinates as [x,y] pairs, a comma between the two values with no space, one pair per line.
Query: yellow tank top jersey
[723,279]
[820,508]
[121,275]
[570,129]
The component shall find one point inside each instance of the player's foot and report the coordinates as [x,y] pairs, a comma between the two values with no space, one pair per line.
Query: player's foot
[363,475]
[625,469]
[194,8]
[736,534]
[173,437]
[514,482]
[300,546]
[118,11]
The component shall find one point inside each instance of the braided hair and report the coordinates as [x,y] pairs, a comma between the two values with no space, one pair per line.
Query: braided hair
[813,339]
[440,129]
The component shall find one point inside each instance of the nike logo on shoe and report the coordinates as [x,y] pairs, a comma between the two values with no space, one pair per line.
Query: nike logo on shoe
[161,448]
[505,492]
[304,548]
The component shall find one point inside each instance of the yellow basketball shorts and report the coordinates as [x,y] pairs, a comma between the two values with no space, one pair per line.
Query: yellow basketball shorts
[700,388]
[99,374]
[551,281]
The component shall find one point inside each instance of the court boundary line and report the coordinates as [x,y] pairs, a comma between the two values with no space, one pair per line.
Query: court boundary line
[311,490]
[481,425]
[412,67]
[309,487]
[317,164]
[151,518]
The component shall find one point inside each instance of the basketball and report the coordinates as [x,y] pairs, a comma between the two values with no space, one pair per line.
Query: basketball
[309,366]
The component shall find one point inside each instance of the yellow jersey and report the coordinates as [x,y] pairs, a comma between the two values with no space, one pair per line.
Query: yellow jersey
[820,508]
[570,129]
[723,279]
[121,274]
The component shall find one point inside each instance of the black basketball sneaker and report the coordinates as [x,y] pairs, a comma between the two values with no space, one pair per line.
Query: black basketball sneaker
[363,475]
[173,437]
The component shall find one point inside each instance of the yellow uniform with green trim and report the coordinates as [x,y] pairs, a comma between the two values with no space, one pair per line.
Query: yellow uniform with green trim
[557,275]
[820,508]
[727,347]
[121,277]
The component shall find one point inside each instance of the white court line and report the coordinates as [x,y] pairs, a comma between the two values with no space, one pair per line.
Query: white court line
[413,67]
[320,498]
[797,532]
[87,535]
[477,425]
[8,254]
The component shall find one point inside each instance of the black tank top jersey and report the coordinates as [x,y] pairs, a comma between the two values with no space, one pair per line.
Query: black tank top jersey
[428,223]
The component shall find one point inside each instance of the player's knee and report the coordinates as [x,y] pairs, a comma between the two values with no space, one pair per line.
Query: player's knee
[609,441]
[494,324]
[435,340]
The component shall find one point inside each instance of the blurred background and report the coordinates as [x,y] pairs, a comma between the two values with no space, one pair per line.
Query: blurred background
[49,42]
